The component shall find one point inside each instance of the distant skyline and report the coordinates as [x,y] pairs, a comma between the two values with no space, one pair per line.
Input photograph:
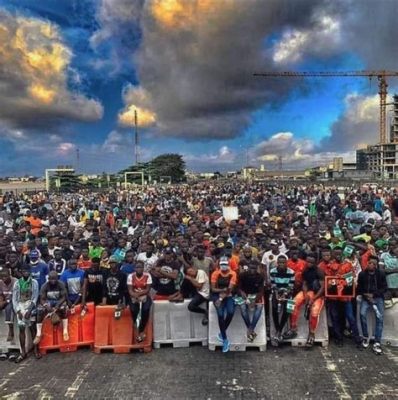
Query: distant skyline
[72,72]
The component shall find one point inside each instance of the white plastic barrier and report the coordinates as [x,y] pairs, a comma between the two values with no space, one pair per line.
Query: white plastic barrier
[6,346]
[390,326]
[174,324]
[321,334]
[236,332]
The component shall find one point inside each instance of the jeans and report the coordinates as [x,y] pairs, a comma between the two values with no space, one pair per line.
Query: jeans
[244,309]
[196,301]
[225,313]
[337,310]
[145,311]
[364,307]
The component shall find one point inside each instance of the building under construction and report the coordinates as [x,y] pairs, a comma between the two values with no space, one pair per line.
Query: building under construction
[382,158]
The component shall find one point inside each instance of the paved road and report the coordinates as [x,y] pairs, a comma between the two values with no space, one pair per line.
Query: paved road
[197,373]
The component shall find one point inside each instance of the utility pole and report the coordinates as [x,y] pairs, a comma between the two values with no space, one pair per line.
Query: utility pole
[136,136]
[77,159]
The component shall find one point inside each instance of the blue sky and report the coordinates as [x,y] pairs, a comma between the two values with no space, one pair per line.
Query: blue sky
[76,70]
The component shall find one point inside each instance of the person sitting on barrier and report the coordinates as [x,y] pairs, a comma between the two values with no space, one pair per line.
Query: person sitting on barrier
[251,291]
[372,285]
[115,287]
[167,276]
[200,281]
[58,263]
[342,309]
[93,283]
[6,286]
[139,284]
[389,264]
[282,284]
[312,295]
[223,282]
[24,298]
[52,304]
[73,279]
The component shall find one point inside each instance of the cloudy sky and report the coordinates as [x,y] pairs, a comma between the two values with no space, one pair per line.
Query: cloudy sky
[72,72]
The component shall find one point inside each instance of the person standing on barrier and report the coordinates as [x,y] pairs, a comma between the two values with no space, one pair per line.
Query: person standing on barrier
[223,282]
[251,290]
[73,279]
[282,285]
[200,281]
[138,285]
[312,295]
[6,286]
[52,305]
[372,285]
[24,298]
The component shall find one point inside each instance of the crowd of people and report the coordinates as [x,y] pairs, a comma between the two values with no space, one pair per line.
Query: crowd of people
[127,248]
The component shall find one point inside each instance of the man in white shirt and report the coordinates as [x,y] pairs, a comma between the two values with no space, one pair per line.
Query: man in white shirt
[200,281]
[148,257]
[270,257]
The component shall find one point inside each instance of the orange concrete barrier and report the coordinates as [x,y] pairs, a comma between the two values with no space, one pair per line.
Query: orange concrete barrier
[81,332]
[118,335]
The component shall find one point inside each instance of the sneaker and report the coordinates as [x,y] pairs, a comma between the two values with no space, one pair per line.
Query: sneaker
[205,321]
[219,338]
[225,346]
[290,334]
[365,342]
[275,341]
[377,349]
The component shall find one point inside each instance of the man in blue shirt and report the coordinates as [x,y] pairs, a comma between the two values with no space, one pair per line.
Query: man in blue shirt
[73,278]
[128,266]
[38,268]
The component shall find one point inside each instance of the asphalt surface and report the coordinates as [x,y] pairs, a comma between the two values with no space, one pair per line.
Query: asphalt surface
[197,373]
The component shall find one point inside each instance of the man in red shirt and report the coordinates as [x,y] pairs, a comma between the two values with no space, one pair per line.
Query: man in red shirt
[342,309]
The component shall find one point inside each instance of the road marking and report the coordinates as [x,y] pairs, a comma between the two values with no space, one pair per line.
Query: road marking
[342,388]
[81,375]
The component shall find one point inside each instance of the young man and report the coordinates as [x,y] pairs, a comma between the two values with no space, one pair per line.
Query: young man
[200,261]
[38,268]
[372,285]
[312,295]
[282,284]
[93,283]
[251,290]
[24,298]
[389,264]
[73,279]
[148,257]
[52,301]
[115,288]
[166,276]
[223,282]
[6,287]
[57,264]
[200,281]
[139,285]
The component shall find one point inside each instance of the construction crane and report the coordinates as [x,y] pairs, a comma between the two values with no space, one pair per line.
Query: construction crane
[380,75]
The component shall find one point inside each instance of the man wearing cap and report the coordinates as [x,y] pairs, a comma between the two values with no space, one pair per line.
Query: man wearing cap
[38,268]
[223,282]
[24,299]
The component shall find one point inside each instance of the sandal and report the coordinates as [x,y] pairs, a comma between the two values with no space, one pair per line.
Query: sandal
[12,357]
[19,358]
[38,356]
[3,356]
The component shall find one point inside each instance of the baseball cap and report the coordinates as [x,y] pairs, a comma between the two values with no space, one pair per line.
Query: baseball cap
[274,243]
[224,261]
[34,254]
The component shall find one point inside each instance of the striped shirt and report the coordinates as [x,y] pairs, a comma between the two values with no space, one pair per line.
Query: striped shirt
[282,279]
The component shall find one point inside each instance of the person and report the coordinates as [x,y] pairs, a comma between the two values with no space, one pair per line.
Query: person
[58,263]
[24,299]
[115,288]
[73,279]
[38,268]
[52,303]
[200,261]
[93,284]
[269,259]
[139,285]
[148,257]
[372,285]
[389,264]
[312,295]
[223,283]
[7,283]
[84,261]
[200,281]
[128,266]
[282,285]
[251,290]
[166,276]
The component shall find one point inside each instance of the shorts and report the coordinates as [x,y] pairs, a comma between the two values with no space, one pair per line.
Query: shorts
[24,308]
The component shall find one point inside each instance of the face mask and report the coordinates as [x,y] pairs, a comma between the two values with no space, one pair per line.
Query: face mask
[224,267]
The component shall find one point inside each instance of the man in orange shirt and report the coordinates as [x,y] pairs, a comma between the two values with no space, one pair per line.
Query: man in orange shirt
[34,221]
[298,266]
[342,309]
[223,281]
